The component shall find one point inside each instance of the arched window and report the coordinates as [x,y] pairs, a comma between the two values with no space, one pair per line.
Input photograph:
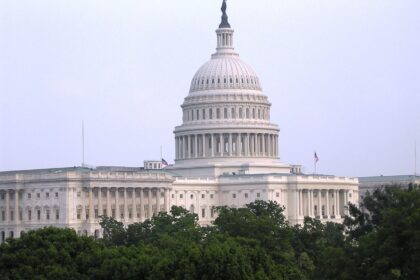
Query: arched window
[247,113]
[240,113]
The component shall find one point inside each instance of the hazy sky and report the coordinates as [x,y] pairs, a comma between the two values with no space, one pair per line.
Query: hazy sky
[343,78]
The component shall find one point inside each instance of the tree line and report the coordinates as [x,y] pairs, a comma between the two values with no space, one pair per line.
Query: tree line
[254,242]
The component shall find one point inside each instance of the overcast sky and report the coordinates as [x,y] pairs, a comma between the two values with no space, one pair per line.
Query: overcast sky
[343,78]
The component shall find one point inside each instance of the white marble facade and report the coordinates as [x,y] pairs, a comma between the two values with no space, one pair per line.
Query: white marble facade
[226,153]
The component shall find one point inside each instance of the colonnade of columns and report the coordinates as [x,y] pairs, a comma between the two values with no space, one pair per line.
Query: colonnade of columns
[10,213]
[322,203]
[226,144]
[125,204]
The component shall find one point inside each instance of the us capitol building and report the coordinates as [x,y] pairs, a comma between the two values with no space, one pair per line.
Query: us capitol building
[226,152]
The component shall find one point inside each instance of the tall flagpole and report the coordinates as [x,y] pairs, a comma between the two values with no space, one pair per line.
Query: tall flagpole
[161,156]
[415,158]
[83,143]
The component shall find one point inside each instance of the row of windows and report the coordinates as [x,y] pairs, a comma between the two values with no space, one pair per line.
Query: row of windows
[225,80]
[225,113]
[29,195]
[38,213]
[112,194]
[79,212]
[203,196]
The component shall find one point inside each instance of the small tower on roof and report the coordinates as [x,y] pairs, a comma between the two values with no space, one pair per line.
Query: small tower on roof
[224,35]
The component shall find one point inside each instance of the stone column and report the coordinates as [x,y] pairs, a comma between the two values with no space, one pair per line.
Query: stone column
[247,145]
[108,203]
[230,144]
[125,205]
[117,205]
[204,145]
[196,146]
[222,144]
[327,210]
[91,210]
[16,218]
[142,216]
[133,205]
[269,145]
[263,144]
[189,155]
[319,207]
[213,145]
[150,206]
[176,147]
[337,197]
[7,207]
[311,203]
[165,199]
[300,203]
[346,201]
[100,206]
[158,194]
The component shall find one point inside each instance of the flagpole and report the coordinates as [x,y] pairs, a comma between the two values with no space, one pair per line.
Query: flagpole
[161,156]
[415,158]
[83,143]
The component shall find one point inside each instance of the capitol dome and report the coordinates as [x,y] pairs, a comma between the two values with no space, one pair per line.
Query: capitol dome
[225,71]
[226,125]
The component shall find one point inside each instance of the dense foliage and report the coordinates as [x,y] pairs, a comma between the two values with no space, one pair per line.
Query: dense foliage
[255,242]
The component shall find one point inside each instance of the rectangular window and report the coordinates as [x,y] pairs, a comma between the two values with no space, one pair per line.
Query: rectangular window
[212,212]
[217,113]
[56,195]
[2,196]
[29,215]
[173,196]
[204,114]
[12,215]
[211,196]
[225,113]
[233,115]
[113,213]
[258,194]
[38,195]
[277,194]
[203,213]
[48,214]
[47,195]
[210,113]
[104,212]
[96,213]
[240,113]
[181,196]
[203,195]
[3,215]
[234,195]
[198,115]
[20,215]
[79,214]
[38,214]
[246,195]
[29,196]
[57,214]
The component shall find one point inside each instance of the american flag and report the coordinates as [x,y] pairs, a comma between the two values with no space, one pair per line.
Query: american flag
[316,159]
[164,162]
